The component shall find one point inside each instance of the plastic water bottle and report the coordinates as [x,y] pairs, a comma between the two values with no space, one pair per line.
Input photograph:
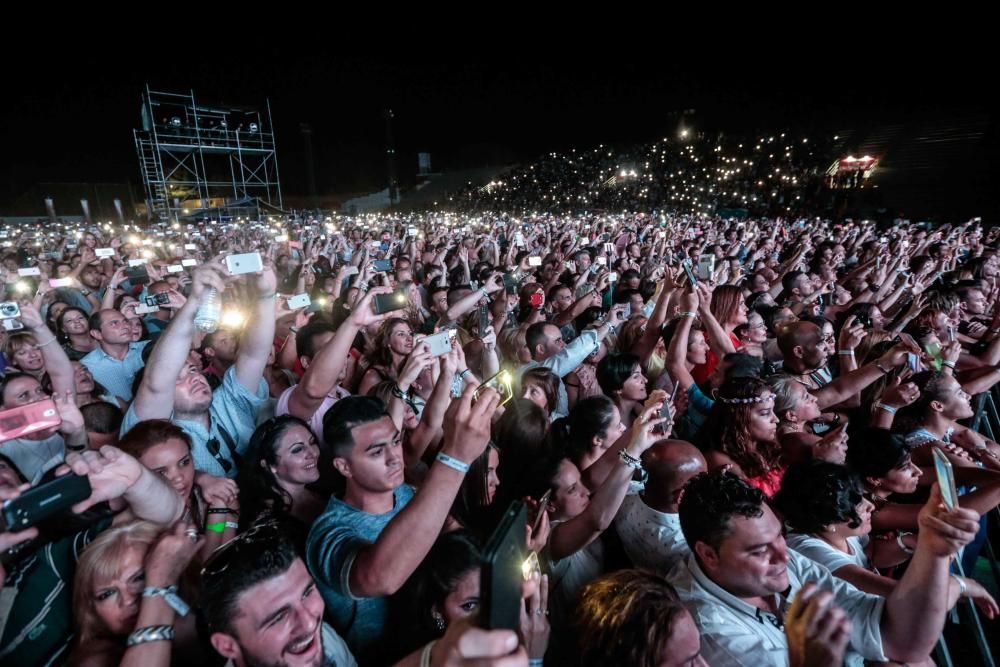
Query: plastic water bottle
[209,312]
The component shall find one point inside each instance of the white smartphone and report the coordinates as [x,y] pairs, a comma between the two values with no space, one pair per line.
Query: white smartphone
[136,262]
[30,271]
[570,266]
[706,267]
[283,238]
[440,343]
[189,262]
[105,252]
[246,263]
[299,301]
[190,246]
[603,261]
[534,261]
[175,268]
[61,282]
[143,309]
[613,277]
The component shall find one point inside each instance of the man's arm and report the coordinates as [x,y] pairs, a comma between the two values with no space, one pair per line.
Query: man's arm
[255,346]
[155,396]
[114,474]
[914,613]
[850,384]
[382,568]
[570,357]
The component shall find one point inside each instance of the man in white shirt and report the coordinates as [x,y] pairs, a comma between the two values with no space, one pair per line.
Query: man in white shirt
[740,578]
[648,524]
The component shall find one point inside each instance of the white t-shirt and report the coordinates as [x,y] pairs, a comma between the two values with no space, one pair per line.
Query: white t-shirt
[316,420]
[35,457]
[335,650]
[652,539]
[826,555]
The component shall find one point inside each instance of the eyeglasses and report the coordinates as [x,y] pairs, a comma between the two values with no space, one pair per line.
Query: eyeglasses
[222,558]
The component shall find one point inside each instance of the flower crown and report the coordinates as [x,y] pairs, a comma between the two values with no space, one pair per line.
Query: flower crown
[745,401]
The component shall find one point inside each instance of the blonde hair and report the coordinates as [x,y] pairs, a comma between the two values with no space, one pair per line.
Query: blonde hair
[102,560]
[16,341]
[511,341]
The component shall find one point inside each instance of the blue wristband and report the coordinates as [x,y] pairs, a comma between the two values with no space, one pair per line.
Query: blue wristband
[453,463]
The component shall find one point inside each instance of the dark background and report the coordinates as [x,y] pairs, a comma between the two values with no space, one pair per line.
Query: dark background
[69,118]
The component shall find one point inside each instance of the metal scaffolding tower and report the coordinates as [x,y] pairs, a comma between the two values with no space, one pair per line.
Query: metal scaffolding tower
[195,158]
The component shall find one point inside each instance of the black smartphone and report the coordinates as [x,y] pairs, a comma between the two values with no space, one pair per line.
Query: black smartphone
[382,265]
[43,501]
[501,573]
[386,303]
[510,283]
[484,320]
[160,299]
[137,275]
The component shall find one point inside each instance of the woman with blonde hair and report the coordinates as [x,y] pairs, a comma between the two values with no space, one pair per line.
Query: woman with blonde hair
[126,606]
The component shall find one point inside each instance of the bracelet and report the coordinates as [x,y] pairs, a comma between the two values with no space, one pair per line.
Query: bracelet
[294,329]
[846,353]
[630,460]
[885,371]
[535,662]
[150,633]
[962,587]
[233,525]
[452,462]
[949,364]
[217,527]
[688,313]
[901,544]
[222,510]
[399,393]
[265,297]
[464,373]
[888,408]
[170,596]
[48,342]
[425,655]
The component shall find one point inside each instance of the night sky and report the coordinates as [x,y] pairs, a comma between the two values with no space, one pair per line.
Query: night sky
[73,121]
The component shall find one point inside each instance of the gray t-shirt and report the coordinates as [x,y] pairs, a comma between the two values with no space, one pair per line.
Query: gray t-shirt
[334,541]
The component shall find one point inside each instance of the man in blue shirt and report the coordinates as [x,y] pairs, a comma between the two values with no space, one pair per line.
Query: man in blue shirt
[365,546]
[116,360]
[220,424]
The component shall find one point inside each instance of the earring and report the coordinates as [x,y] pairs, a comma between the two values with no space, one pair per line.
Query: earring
[833,529]
[439,623]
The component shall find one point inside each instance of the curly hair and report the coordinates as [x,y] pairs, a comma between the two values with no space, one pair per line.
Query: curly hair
[728,427]
[626,618]
[817,494]
[911,417]
[710,500]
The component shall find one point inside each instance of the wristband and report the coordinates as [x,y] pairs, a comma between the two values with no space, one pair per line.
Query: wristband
[217,527]
[170,596]
[151,633]
[452,463]
[888,408]
[902,545]
[846,353]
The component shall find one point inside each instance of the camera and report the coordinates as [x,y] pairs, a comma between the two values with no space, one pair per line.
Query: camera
[9,310]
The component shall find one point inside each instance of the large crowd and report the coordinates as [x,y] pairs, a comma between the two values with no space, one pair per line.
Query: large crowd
[292,442]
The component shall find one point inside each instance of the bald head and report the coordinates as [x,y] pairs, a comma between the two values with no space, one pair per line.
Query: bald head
[798,334]
[670,464]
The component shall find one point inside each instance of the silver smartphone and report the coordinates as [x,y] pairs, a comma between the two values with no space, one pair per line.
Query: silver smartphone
[246,263]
